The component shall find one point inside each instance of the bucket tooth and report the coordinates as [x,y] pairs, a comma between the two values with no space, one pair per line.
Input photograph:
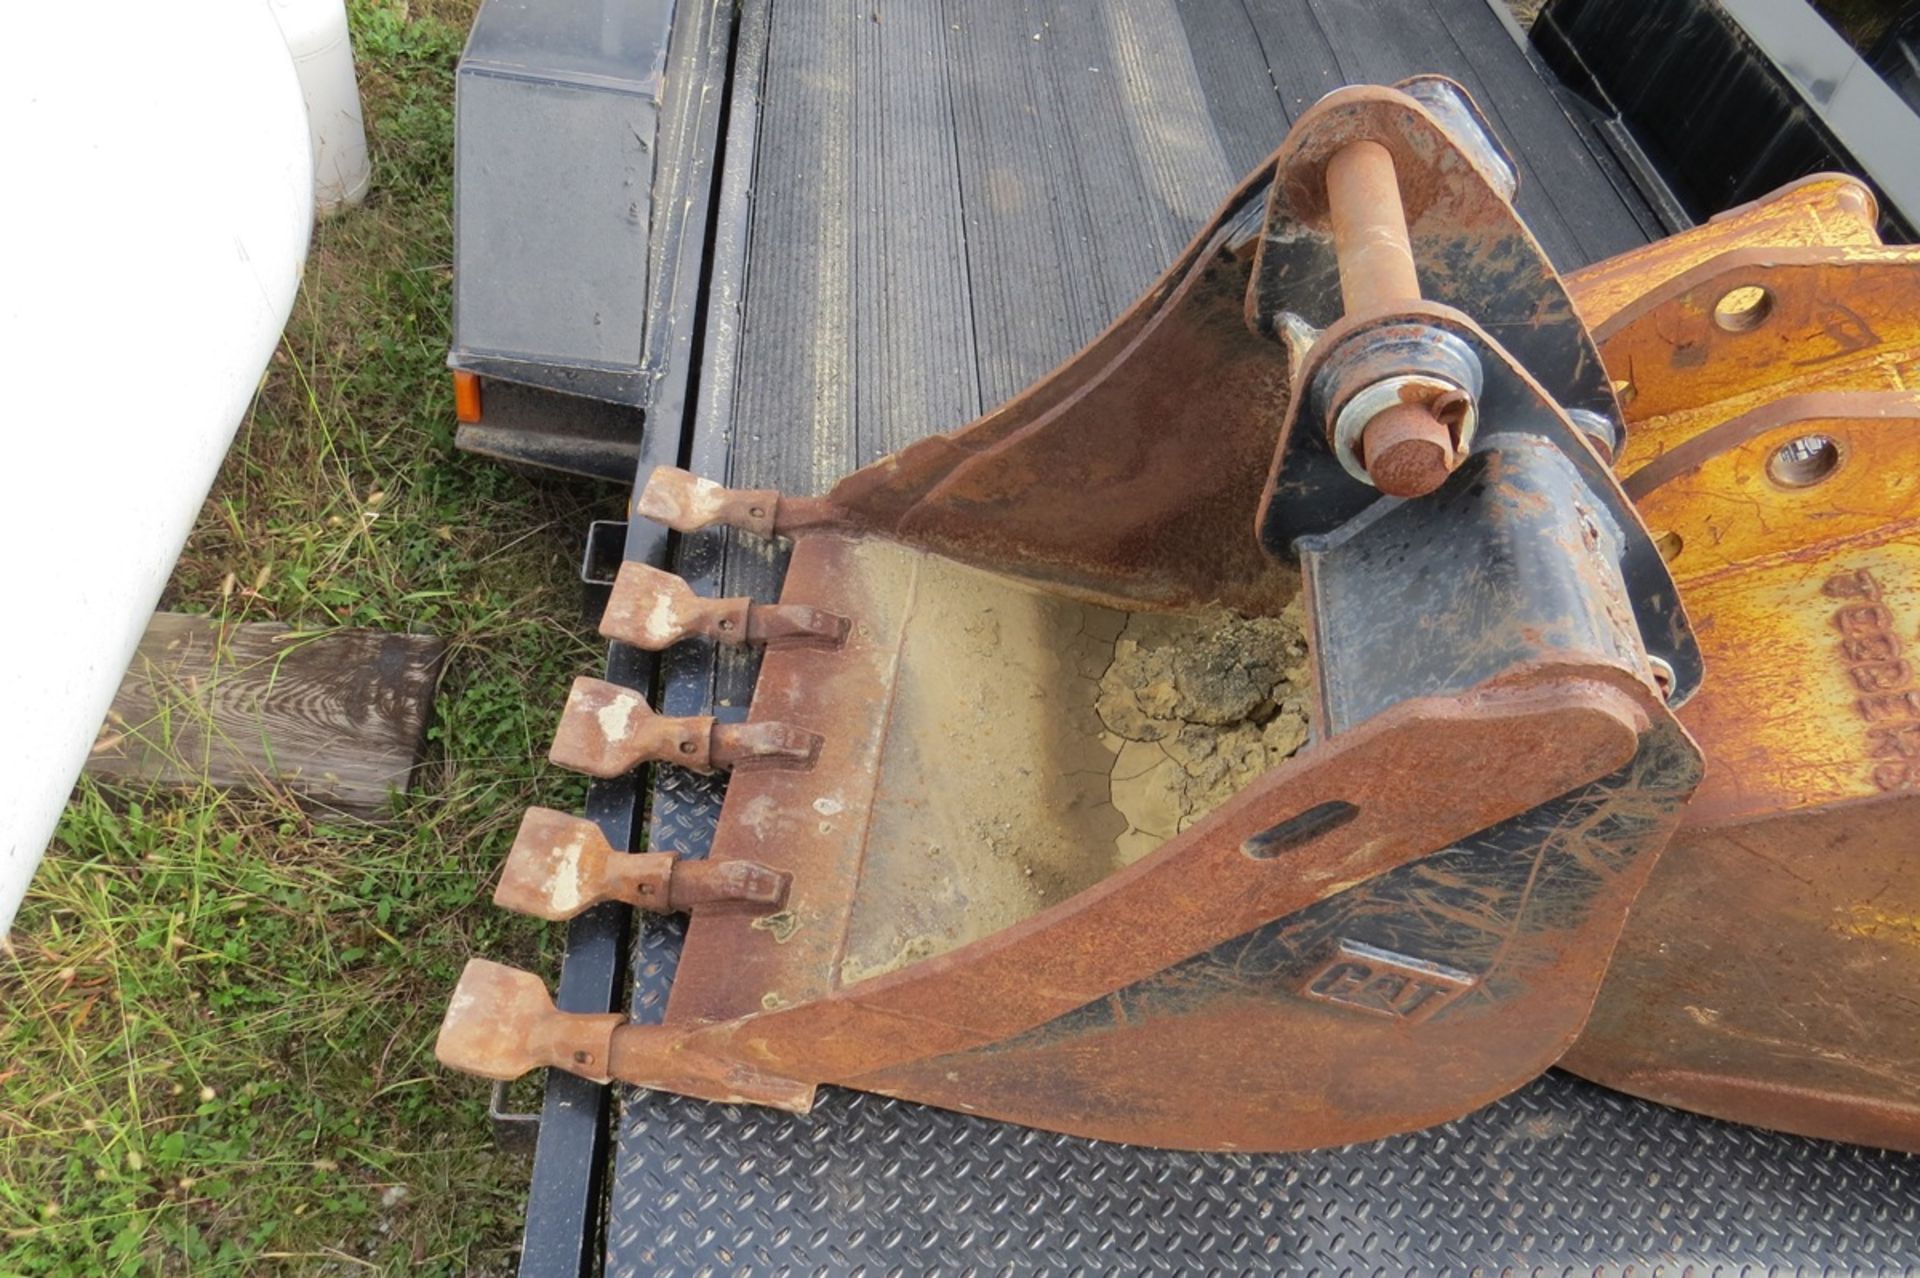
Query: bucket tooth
[607,731]
[561,865]
[500,1023]
[685,502]
[653,610]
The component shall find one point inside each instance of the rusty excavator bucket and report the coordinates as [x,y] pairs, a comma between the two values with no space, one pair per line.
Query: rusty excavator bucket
[1267,731]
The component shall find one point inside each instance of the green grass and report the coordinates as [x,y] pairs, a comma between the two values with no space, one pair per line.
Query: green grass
[216,1053]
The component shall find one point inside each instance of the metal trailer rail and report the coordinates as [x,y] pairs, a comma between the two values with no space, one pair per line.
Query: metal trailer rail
[883,220]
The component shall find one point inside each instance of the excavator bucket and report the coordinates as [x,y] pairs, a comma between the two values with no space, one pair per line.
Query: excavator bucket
[1770,363]
[1253,736]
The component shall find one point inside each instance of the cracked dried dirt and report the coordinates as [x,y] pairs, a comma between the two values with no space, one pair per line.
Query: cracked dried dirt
[1036,744]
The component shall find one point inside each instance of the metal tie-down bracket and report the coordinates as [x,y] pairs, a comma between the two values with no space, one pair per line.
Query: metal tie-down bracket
[1391,400]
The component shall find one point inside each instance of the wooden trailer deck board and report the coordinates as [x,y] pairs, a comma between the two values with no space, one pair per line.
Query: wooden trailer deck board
[337,718]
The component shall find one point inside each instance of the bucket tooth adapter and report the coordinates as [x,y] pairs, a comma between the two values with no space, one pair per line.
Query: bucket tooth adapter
[1250,737]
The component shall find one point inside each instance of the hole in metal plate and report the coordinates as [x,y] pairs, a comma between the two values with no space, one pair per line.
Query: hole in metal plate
[1803,462]
[1743,309]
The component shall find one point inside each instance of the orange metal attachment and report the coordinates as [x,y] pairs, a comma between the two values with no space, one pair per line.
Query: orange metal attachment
[1769,364]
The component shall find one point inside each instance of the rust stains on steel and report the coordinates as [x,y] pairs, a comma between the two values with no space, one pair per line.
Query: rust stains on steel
[1549,733]
[653,610]
[1767,364]
[561,865]
[1014,544]
[1369,229]
[686,502]
[767,1011]
[607,731]
[1406,448]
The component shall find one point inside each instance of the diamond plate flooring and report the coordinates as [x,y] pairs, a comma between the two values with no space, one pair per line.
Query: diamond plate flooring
[1562,1177]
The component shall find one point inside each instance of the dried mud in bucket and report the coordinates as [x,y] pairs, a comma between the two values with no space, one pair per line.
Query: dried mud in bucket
[1037,744]
[1195,708]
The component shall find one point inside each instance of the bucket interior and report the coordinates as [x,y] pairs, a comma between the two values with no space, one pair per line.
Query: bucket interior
[1035,744]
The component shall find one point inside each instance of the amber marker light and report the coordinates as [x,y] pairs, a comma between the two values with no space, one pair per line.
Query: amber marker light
[466,397]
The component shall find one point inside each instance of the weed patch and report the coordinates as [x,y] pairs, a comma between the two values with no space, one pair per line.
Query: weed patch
[219,1018]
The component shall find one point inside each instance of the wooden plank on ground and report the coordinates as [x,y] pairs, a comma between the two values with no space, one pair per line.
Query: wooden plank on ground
[337,717]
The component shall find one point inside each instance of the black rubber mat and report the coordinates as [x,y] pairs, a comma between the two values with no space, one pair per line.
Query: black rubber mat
[924,207]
